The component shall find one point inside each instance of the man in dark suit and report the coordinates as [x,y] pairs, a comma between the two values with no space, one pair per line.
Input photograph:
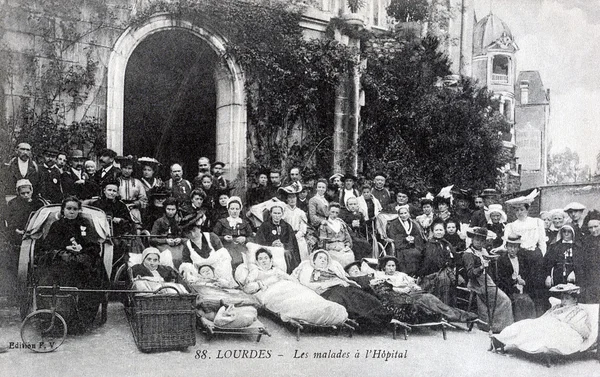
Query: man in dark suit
[513,275]
[22,167]
[76,181]
[51,188]
[109,172]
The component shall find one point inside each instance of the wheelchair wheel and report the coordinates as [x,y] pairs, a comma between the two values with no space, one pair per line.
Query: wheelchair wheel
[43,331]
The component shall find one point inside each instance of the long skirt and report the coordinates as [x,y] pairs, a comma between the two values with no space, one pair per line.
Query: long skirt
[362,307]
[441,285]
[536,289]
[499,306]
[79,311]
[360,246]
[410,260]
[523,306]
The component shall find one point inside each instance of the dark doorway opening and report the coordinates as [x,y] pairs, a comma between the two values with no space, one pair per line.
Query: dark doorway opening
[170,100]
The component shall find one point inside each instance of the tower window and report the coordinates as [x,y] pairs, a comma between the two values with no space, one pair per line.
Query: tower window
[500,69]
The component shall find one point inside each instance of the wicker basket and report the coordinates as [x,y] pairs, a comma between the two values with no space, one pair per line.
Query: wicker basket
[162,322]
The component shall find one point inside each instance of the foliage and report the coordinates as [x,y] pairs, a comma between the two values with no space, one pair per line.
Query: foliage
[442,135]
[408,10]
[565,167]
[290,81]
[52,109]
[355,5]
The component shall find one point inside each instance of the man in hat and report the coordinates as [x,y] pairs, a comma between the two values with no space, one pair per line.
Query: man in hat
[180,188]
[51,188]
[19,209]
[493,305]
[482,201]
[512,279]
[380,192]
[462,212]
[108,171]
[348,191]
[336,180]
[22,167]
[219,182]
[77,182]
[401,200]
[575,212]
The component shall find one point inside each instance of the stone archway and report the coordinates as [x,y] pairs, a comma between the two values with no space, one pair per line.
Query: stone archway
[231,125]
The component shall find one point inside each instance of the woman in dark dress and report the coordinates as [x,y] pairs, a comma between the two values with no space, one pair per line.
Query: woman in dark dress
[558,261]
[234,231]
[356,224]
[70,257]
[438,268]
[327,277]
[276,232]
[406,234]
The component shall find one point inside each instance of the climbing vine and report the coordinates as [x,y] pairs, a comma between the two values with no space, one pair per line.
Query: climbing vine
[290,80]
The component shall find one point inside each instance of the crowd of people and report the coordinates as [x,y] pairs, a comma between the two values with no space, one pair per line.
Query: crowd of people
[434,242]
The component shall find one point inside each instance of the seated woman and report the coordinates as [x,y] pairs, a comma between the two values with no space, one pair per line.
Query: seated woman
[318,205]
[325,276]
[70,257]
[297,219]
[151,269]
[276,232]
[562,330]
[401,295]
[282,294]
[437,271]
[355,220]
[205,248]
[234,231]
[196,208]
[167,227]
[406,234]
[335,238]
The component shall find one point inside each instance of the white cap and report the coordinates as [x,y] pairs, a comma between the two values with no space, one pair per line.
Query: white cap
[574,206]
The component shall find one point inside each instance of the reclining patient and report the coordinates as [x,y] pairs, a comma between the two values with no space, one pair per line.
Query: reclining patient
[564,329]
[400,294]
[151,275]
[217,299]
[282,294]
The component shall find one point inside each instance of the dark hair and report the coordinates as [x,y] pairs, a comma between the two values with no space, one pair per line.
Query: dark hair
[262,250]
[451,220]
[70,198]
[320,251]
[171,201]
[335,204]
[332,187]
[322,180]
[233,202]
[108,153]
[295,167]
[274,170]
[365,186]
[206,265]
[198,192]
[438,221]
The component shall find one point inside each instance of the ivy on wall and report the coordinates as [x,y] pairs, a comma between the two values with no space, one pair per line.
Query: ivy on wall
[290,81]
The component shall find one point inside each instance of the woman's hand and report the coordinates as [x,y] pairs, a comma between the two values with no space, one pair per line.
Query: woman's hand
[410,239]
[74,248]
[228,238]
[548,282]
[355,223]
[520,280]
[117,220]
[277,243]
[240,240]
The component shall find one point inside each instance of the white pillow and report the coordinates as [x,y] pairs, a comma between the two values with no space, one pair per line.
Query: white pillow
[278,253]
[166,259]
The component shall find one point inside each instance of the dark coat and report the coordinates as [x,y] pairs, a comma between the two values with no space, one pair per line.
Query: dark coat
[83,191]
[51,188]
[17,214]
[504,279]
[12,174]
[268,232]
[112,174]
[438,254]
[587,267]
[115,209]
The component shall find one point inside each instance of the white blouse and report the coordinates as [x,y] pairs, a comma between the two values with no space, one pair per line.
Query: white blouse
[532,233]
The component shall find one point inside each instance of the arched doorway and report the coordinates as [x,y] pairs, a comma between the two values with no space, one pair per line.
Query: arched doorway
[229,98]
[170,99]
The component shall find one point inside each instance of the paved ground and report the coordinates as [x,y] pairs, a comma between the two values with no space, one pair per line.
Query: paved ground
[110,350]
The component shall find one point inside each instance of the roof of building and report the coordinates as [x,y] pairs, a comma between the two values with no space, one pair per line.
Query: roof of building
[537,93]
[492,33]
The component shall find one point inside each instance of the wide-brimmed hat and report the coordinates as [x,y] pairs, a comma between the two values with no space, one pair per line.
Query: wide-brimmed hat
[592,215]
[461,194]
[477,232]
[574,206]
[425,201]
[148,161]
[355,263]
[350,176]
[125,160]
[77,154]
[383,261]
[566,288]
[514,239]
[341,176]
[495,208]
[489,192]
[294,188]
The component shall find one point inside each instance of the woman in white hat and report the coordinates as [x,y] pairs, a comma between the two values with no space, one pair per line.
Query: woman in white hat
[496,222]
[533,246]
[562,330]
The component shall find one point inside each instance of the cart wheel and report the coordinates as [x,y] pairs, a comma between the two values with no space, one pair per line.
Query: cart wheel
[26,303]
[43,331]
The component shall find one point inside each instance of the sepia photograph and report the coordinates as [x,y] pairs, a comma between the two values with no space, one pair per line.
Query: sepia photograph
[299,188]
